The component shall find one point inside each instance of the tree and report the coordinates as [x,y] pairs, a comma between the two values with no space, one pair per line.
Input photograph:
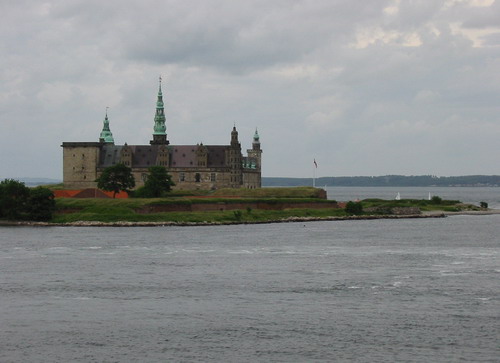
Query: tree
[158,182]
[354,208]
[17,201]
[13,199]
[116,178]
[436,200]
[41,204]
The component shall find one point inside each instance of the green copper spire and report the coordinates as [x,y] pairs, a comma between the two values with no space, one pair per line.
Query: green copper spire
[159,128]
[106,134]
[159,134]
[256,136]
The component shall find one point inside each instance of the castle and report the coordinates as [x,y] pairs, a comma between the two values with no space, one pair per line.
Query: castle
[191,166]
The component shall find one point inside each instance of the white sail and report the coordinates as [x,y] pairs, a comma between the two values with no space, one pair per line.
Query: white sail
[398,196]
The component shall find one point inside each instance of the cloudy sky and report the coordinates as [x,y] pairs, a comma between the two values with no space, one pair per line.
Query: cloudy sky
[364,87]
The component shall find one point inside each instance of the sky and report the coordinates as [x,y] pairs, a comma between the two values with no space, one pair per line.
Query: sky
[362,87]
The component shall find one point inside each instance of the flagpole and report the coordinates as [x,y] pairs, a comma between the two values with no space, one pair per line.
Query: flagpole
[314,177]
[314,172]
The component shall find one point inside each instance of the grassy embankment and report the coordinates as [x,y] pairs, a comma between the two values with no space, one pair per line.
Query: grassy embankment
[385,206]
[132,209]
[114,210]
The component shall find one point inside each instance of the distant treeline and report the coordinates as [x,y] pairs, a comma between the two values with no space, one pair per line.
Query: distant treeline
[387,181]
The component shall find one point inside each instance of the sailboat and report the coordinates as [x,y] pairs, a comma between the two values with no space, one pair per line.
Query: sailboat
[398,196]
[429,195]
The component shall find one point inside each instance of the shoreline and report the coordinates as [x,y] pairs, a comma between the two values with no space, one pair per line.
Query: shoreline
[429,214]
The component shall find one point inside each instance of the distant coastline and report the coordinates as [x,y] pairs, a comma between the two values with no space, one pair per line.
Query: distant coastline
[352,181]
[388,181]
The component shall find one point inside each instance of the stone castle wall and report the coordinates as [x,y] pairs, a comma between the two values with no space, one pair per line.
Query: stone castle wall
[80,165]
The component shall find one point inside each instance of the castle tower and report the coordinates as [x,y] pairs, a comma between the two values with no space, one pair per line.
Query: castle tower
[235,160]
[106,135]
[159,134]
[256,152]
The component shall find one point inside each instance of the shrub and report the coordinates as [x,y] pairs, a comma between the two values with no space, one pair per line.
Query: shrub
[13,199]
[17,201]
[354,208]
[41,204]
[483,204]
[436,200]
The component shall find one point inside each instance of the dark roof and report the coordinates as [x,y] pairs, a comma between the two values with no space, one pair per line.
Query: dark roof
[110,155]
[182,156]
[144,156]
[217,155]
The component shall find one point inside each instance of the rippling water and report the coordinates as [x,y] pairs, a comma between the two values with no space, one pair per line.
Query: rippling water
[417,290]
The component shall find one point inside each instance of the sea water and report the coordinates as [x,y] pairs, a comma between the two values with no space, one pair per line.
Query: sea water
[414,290]
[473,195]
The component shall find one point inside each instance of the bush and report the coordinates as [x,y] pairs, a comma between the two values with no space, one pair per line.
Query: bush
[483,204]
[41,204]
[353,208]
[18,202]
[436,200]
[13,199]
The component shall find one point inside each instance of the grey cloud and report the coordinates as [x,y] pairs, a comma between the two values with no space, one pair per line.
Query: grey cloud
[290,68]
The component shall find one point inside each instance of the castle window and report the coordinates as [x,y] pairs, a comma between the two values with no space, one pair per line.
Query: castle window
[197,177]
[182,177]
[212,177]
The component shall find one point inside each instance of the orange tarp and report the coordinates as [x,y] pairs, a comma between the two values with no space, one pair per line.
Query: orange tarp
[87,193]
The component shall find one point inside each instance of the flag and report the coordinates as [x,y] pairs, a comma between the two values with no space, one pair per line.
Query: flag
[315,163]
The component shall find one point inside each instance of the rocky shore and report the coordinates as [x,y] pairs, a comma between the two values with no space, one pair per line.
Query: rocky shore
[432,214]
[170,223]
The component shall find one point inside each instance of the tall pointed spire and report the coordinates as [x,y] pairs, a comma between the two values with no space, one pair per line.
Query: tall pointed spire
[159,134]
[106,134]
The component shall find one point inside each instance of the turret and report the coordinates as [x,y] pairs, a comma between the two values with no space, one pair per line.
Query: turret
[235,160]
[256,152]
[256,141]
[159,129]
[234,138]
[106,135]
